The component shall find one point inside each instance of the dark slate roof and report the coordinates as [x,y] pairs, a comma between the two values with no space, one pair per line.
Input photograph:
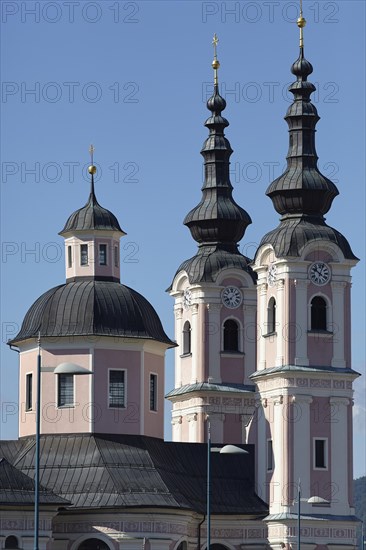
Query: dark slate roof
[92,216]
[17,488]
[209,261]
[206,386]
[293,233]
[101,308]
[93,471]
[302,369]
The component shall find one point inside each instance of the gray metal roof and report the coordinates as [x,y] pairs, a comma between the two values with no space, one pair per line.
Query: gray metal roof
[16,488]
[209,261]
[301,369]
[93,471]
[316,517]
[211,387]
[92,307]
[293,233]
[91,217]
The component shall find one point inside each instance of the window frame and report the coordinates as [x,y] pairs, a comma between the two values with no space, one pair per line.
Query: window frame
[28,391]
[68,404]
[271,316]
[102,255]
[116,256]
[269,455]
[324,440]
[153,392]
[84,247]
[124,371]
[69,256]
[238,335]
[187,339]
[324,313]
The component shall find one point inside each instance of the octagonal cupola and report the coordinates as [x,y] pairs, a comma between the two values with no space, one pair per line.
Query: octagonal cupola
[92,236]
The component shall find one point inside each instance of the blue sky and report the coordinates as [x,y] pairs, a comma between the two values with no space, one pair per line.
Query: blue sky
[132,78]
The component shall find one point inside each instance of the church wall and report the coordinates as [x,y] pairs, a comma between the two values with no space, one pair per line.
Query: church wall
[320,427]
[153,421]
[55,419]
[117,420]
[347,325]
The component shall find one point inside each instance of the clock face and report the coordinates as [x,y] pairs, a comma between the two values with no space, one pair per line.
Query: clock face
[271,276]
[231,297]
[319,273]
[187,298]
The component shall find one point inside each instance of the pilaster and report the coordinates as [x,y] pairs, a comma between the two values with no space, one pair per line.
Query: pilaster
[301,347]
[338,289]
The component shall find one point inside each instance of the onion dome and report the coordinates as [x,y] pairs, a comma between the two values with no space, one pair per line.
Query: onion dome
[302,189]
[89,309]
[92,216]
[217,223]
[302,194]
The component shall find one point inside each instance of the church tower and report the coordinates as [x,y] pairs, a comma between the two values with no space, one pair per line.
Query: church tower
[98,323]
[304,370]
[215,304]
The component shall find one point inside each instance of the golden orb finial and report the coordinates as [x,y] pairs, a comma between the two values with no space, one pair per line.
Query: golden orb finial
[92,169]
[301,22]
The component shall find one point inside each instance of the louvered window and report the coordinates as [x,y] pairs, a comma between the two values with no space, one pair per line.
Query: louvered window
[65,390]
[117,389]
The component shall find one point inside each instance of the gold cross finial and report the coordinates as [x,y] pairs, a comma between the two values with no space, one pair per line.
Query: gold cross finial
[91,151]
[215,62]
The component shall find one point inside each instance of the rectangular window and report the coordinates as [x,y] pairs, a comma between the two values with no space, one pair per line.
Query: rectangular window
[102,254]
[153,392]
[65,394]
[116,256]
[84,254]
[69,256]
[320,453]
[28,392]
[117,389]
[269,455]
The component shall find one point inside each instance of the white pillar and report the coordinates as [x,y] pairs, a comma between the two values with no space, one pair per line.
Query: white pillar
[195,343]
[262,322]
[301,442]
[277,482]
[301,350]
[177,427]
[249,339]
[339,458]
[178,311]
[280,322]
[338,324]
[261,449]
[214,341]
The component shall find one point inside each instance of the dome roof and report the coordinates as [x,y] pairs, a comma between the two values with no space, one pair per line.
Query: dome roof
[92,216]
[92,308]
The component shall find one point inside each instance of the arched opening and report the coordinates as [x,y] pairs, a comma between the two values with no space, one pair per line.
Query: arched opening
[93,544]
[182,546]
[318,313]
[11,542]
[271,316]
[186,338]
[231,335]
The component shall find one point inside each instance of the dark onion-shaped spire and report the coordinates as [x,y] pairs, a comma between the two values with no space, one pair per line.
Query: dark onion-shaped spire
[217,219]
[302,190]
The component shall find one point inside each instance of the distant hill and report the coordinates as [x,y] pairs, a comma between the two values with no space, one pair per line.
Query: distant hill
[359,499]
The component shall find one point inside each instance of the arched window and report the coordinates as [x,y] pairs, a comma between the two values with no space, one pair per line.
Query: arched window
[186,338]
[231,335]
[318,313]
[93,544]
[271,316]
[182,546]
[11,542]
